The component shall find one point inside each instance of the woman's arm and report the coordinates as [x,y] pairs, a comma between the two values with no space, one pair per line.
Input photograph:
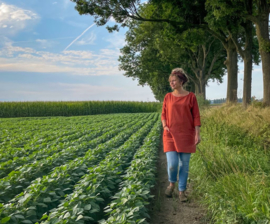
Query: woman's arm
[197,120]
[164,124]
[164,115]
[196,113]
[197,135]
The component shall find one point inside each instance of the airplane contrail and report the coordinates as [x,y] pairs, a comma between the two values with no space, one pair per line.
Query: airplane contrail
[79,36]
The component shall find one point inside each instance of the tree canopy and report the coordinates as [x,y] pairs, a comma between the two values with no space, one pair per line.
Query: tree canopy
[230,22]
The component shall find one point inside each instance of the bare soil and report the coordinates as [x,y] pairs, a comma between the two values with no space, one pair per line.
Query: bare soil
[171,210]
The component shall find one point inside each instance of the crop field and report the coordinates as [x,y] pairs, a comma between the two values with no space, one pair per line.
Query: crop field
[87,169]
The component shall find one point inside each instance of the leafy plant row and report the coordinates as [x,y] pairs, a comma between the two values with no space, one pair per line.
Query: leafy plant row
[129,204]
[94,190]
[44,151]
[45,134]
[17,180]
[39,129]
[46,193]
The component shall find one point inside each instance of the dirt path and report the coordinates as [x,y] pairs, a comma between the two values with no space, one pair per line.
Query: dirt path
[171,210]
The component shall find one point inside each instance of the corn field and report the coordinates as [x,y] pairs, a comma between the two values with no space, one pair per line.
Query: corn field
[42,109]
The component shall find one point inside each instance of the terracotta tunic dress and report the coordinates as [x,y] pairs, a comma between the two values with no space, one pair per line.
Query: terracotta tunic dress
[181,115]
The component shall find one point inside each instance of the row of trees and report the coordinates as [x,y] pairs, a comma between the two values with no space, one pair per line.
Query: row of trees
[205,37]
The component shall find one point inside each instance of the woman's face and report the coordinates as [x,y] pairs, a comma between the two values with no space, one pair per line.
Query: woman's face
[175,83]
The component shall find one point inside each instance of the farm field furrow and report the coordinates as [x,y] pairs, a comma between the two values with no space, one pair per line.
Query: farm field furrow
[24,132]
[45,193]
[17,180]
[48,150]
[129,204]
[44,134]
[93,192]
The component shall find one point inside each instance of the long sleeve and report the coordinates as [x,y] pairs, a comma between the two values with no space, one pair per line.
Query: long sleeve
[164,109]
[196,113]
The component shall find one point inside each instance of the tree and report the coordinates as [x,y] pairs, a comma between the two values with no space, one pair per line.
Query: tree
[260,17]
[201,54]
[151,46]
[248,12]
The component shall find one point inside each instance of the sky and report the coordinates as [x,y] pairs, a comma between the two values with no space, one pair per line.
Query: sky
[48,52]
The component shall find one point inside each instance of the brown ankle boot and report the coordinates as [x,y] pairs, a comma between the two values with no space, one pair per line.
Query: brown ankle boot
[169,191]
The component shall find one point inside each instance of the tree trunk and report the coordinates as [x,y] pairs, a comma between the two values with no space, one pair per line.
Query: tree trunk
[264,45]
[248,64]
[247,80]
[202,88]
[232,70]
[197,89]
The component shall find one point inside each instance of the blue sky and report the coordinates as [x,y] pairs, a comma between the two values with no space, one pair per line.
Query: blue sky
[46,55]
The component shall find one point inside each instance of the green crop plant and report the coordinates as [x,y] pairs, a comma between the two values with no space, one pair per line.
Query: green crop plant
[70,169]
[22,177]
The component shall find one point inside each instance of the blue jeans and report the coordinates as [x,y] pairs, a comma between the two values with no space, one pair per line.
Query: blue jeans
[173,160]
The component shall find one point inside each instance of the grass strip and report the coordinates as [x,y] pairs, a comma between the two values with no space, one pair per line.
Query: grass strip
[231,173]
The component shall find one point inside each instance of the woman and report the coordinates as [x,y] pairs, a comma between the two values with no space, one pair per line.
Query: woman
[181,123]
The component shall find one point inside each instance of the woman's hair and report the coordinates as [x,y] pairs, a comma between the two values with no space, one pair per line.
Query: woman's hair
[180,74]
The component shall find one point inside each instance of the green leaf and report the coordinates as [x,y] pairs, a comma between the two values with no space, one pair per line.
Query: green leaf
[79,217]
[87,207]
[48,199]
[19,217]
[88,218]
[44,217]
[4,220]
[67,215]
[32,207]
[26,221]
[31,213]
[124,200]
[142,220]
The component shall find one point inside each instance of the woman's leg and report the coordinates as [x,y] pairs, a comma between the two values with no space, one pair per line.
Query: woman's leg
[183,171]
[172,166]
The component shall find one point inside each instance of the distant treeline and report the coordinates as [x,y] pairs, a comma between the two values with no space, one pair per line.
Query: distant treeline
[223,100]
[76,108]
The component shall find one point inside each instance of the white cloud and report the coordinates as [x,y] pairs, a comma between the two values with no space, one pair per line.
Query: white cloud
[112,20]
[54,3]
[78,37]
[116,40]
[89,40]
[45,43]
[15,17]
[14,58]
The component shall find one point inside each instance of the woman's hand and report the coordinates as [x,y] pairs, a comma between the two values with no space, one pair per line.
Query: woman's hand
[166,128]
[197,139]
